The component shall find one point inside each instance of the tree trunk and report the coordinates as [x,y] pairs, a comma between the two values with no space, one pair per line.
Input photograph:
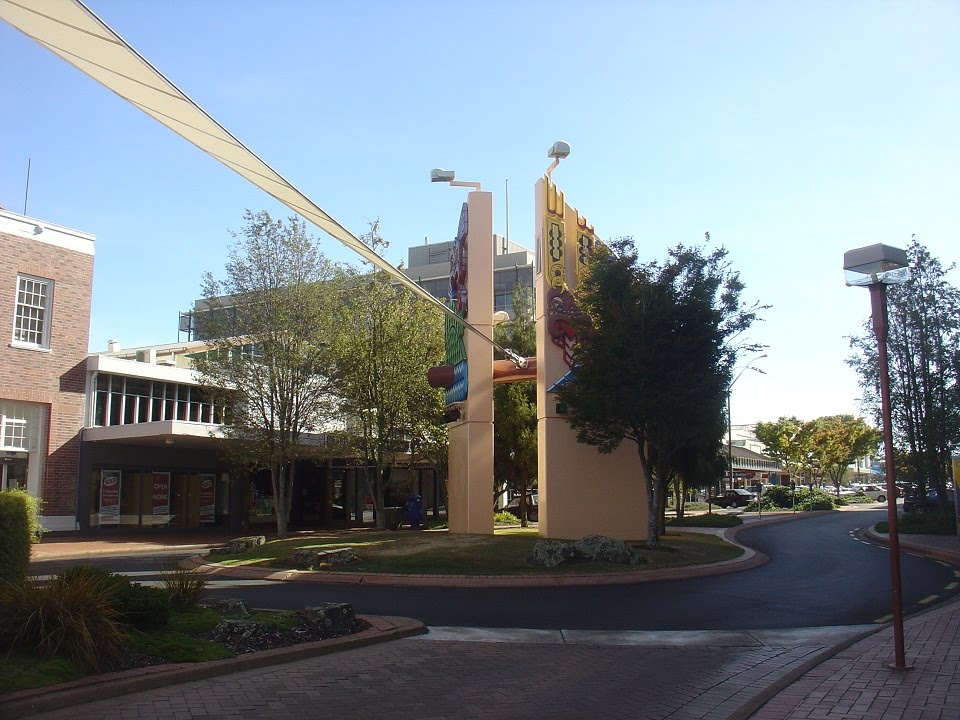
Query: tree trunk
[279,498]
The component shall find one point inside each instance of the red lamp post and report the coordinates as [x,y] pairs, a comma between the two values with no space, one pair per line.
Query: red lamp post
[875,267]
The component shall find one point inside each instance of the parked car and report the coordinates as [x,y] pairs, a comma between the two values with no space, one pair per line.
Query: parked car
[874,492]
[533,513]
[930,503]
[735,497]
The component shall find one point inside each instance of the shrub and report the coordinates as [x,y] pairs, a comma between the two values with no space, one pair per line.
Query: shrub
[73,617]
[183,587]
[137,605]
[779,496]
[706,520]
[505,518]
[934,523]
[143,607]
[15,517]
[815,499]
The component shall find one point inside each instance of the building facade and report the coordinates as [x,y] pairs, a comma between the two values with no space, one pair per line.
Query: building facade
[46,283]
[429,266]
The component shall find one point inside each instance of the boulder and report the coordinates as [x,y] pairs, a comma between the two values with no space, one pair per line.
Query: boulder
[239,545]
[311,558]
[550,553]
[241,629]
[605,549]
[227,606]
[336,616]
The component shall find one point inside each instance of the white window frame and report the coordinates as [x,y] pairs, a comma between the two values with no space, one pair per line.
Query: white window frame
[46,309]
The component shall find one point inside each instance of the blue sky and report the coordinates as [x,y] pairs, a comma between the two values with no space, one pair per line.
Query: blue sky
[790,131]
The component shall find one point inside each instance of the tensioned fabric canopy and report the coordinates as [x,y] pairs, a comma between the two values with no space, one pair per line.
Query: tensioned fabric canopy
[72,31]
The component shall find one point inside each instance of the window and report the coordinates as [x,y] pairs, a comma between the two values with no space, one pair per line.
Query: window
[15,421]
[31,322]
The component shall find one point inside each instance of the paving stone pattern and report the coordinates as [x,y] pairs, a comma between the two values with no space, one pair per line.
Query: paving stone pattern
[444,680]
[856,684]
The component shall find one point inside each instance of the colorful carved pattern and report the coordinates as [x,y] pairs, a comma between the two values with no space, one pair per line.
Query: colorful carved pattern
[554,236]
[458,265]
[562,310]
[586,239]
[454,349]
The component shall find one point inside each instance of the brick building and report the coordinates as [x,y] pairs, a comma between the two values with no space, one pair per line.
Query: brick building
[46,282]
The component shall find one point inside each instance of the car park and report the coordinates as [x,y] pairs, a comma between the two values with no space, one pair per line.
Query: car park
[876,493]
[735,497]
[930,502]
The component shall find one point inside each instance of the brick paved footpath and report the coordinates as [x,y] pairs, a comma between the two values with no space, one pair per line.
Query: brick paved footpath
[441,679]
[856,684]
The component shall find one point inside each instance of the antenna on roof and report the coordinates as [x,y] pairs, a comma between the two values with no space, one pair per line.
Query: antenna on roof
[26,192]
[506,208]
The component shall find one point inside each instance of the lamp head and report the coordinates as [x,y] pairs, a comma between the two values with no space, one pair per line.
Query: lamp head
[559,150]
[441,175]
[876,264]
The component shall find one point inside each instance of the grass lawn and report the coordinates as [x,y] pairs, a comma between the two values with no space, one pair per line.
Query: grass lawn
[439,552]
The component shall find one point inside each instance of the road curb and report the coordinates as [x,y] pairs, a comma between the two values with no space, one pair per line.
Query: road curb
[916,548]
[747,561]
[102,687]
[774,689]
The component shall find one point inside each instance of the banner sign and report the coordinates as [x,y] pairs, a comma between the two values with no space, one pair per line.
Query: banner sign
[160,499]
[110,497]
[208,499]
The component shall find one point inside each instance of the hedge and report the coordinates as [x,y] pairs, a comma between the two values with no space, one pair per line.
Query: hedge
[18,527]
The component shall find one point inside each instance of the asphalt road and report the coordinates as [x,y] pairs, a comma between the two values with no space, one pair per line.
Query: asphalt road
[819,574]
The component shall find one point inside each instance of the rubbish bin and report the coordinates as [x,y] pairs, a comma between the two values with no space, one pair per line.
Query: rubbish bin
[392,517]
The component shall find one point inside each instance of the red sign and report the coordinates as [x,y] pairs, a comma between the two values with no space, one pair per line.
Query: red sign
[208,499]
[110,497]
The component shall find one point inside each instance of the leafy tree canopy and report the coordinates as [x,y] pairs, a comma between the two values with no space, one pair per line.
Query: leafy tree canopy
[267,321]
[654,356]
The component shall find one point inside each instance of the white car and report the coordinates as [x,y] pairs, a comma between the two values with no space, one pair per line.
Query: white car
[876,493]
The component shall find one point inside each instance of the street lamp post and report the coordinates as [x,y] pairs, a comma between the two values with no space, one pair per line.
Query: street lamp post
[875,267]
[729,419]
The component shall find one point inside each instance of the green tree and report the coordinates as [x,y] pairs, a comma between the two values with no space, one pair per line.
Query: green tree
[787,440]
[653,359]
[267,322]
[385,340]
[515,405]
[924,350]
[838,440]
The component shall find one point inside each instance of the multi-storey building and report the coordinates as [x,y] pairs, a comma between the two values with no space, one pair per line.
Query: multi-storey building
[46,282]
[429,266]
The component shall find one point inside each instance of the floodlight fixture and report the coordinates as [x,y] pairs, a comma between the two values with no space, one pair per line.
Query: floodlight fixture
[447,176]
[876,264]
[558,151]
[441,175]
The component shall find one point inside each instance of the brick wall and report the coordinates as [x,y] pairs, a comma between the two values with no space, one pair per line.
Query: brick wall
[56,377]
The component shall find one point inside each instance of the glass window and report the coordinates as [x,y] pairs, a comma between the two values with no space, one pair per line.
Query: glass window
[31,323]
[15,433]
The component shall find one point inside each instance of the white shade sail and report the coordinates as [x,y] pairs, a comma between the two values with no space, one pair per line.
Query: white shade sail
[72,31]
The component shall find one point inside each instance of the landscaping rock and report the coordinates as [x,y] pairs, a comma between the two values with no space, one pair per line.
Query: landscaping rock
[550,553]
[226,629]
[227,606]
[606,549]
[312,559]
[239,545]
[335,616]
